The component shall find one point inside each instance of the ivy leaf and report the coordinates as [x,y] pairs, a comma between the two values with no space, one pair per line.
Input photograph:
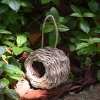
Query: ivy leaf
[62,20]
[84,26]
[45,1]
[26,49]
[4,83]
[25,3]
[97,29]
[1,67]
[13,71]
[5,1]
[88,14]
[9,43]
[94,5]
[2,31]
[48,28]
[2,50]
[17,50]
[12,94]
[94,40]
[1,64]
[53,11]
[63,28]
[76,14]
[3,9]
[21,39]
[52,39]
[88,50]
[14,5]
[81,45]
[76,9]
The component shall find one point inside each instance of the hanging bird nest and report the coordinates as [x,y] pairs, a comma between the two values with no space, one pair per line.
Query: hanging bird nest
[47,68]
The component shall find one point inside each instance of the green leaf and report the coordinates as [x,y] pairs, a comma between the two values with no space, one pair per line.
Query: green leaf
[48,28]
[1,67]
[84,26]
[1,64]
[89,50]
[76,14]
[8,43]
[3,9]
[63,28]
[2,50]
[62,20]
[45,1]
[5,1]
[4,31]
[4,83]
[25,3]
[21,39]
[13,71]
[81,45]
[94,40]
[17,50]
[97,29]
[84,51]
[12,94]
[94,5]
[88,14]
[76,9]
[52,39]
[53,11]
[14,5]
[27,49]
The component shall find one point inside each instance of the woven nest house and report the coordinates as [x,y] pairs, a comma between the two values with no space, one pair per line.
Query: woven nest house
[47,68]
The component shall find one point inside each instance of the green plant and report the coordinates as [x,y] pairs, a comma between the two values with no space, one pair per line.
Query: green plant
[10,67]
[78,28]
[11,16]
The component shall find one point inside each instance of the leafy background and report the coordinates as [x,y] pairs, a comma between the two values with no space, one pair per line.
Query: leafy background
[21,22]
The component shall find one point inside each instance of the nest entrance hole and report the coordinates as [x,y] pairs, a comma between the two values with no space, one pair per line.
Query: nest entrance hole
[39,69]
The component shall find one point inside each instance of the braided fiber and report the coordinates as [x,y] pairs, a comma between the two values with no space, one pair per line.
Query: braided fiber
[56,65]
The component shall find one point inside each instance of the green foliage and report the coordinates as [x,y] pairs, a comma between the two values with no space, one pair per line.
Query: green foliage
[21,39]
[87,47]
[12,43]
[13,4]
[84,26]
[48,1]
[80,24]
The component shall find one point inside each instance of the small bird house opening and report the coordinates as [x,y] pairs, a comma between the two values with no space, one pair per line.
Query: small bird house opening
[39,69]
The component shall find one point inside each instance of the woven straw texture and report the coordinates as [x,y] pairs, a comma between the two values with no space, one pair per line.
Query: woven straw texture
[56,68]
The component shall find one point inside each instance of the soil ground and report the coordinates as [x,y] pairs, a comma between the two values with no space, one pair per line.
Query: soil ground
[92,93]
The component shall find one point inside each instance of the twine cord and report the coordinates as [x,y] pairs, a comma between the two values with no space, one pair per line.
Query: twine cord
[56,30]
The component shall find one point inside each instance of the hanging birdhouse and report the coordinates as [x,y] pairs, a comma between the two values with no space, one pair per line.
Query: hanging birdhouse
[47,68]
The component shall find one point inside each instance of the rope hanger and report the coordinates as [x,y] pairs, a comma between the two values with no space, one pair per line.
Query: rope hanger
[56,30]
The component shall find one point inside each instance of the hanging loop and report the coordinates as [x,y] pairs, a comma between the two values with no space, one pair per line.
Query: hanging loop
[56,30]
